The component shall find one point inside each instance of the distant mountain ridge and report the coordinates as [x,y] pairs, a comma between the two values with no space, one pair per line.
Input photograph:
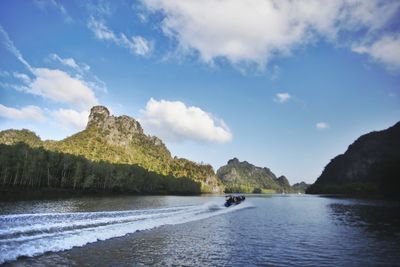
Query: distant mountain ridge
[371,165]
[241,176]
[120,140]
[300,187]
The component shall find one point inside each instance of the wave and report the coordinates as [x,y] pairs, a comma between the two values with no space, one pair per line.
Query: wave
[34,234]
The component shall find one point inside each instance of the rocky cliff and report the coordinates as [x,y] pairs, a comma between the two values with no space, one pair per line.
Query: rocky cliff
[121,140]
[244,177]
[371,165]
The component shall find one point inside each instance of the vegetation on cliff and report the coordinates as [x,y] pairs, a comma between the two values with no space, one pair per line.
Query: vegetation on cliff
[300,187]
[371,165]
[110,144]
[244,177]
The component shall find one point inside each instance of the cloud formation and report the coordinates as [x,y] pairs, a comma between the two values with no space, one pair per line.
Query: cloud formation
[69,118]
[22,77]
[59,86]
[140,45]
[385,50]
[254,31]
[5,39]
[26,113]
[43,4]
[70,88]
[137,45]
[282,97]
[322,125]
[70,62]
[53,84]
[174,121]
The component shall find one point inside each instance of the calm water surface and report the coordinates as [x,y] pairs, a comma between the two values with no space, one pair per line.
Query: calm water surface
[279,230]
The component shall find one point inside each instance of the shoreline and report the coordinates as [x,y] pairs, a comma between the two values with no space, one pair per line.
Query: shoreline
[9,194]
[21,194]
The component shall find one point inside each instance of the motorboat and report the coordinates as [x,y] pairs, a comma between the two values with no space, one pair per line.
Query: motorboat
[233,200]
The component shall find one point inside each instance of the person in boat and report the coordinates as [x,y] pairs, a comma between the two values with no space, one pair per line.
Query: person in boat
[229,200]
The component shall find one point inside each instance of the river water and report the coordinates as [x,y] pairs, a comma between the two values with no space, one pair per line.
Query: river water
[265,230]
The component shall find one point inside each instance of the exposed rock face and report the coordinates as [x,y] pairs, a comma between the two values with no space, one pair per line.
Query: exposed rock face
[233,161]
[126,132]
[98,115]
[118,130]
[121,140]
[245,177]
[370,165]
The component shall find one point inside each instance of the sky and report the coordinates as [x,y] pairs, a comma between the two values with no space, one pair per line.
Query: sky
[284,84]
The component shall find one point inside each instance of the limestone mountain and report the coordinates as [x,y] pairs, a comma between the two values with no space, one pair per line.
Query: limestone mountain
[300,187]
[10,137]
[371,165]
[120,140]
[241,176]
[283,182]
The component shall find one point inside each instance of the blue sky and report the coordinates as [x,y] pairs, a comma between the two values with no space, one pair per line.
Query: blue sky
[285,85]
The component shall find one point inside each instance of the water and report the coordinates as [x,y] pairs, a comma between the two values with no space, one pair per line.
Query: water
[289,230]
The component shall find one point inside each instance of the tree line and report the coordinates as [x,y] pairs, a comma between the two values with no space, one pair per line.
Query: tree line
[26,167]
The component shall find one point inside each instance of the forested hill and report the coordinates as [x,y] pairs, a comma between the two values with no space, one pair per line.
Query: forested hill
[371,165]
[112,153]
[241,176]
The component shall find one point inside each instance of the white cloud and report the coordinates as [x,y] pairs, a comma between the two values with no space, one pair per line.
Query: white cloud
[385,50]
[140,45]
[59,86]
[43,4]
[70,62]
[142,17]
[322,125]
[82,71]
[53,84]
[174,121]
[101,31]
[256,30]
[26,113]
[136,44]
[69,118]
[282,97]
[11,47]
[22,77]
[101,8]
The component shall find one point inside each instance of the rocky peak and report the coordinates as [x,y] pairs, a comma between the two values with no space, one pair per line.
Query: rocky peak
[242,176]
[98,115]
[117,130]
[233,161]
[283,181]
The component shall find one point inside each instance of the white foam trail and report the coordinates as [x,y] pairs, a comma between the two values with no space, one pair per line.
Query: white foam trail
[35,234]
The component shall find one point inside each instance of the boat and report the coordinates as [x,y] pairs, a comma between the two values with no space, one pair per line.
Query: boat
[233,200]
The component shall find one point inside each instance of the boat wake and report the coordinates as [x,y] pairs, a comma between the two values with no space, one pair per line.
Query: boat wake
[34,234]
